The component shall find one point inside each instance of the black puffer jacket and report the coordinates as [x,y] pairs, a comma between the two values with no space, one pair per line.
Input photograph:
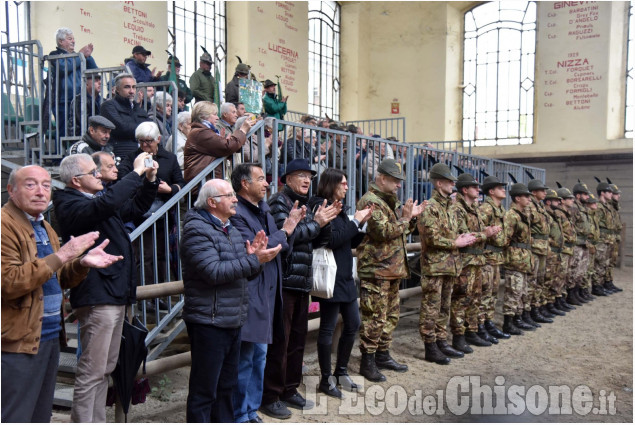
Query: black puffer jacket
[216,270]
[296,266]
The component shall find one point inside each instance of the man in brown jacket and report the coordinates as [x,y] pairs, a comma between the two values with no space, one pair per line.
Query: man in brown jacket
[34,271]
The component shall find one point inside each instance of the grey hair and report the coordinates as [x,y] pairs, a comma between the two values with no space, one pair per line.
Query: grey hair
[120,77]
[97,157]
[160,99]
[72,166]
[61,34]
[147,129]
[13,173]
[225,107]
[209,190]
[183,117]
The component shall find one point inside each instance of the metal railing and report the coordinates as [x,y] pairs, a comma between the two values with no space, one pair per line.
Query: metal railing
[167,124]
[384,127]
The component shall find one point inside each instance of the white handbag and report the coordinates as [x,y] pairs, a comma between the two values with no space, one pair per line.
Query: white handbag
[324,270]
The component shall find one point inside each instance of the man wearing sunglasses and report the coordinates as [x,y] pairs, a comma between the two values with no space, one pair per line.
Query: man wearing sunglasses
[99,301]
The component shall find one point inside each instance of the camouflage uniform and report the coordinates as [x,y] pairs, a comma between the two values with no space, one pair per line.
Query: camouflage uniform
[592,244]
[381,264]
[519,262]
[556,260]
[604,218]
[466,296]
[568,231]
[540,227]
[440,266]
[491,216]
[580,260]
[617,231]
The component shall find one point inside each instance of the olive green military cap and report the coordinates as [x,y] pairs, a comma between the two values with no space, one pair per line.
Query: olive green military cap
[491,182]
[466,180]
[592,199]
[580,188]
[564,193]
[391,168]
[616,190]
[552,194]
[242,68]
[206,57]
[603,187]
[536,184]
[518,189]
[441,171]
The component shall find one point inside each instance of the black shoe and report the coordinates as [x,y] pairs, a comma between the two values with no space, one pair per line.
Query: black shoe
[607,288]
[328,386]
[509,327]
[563,305]
[276,410]
[433,354]
[384,361]
[598,291]
[572,298]
[520,324]
[494,331]
[446,349]
[553,310]
[296,401]
[615,288]
[473,338]
[585,293]
[344,349]
[579,293]
[368,368]
[346,382]
[459,343]
[256,420]
[544,312]
[532,317]
[483,334]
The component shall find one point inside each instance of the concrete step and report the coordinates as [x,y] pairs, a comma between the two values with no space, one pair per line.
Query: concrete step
[68,362]
[63,395]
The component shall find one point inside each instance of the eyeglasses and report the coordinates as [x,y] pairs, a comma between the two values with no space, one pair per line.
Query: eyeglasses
[229,195]
[303,176]
[145,141]
[95,172]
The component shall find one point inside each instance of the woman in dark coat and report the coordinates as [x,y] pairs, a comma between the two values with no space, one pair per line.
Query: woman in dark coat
[345,235]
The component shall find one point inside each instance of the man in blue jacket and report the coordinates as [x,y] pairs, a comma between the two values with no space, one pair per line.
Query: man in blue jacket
[217,264]
[138,67]
[99,301]
[265,289]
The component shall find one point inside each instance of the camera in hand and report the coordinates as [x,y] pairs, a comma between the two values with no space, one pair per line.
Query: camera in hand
[148,162]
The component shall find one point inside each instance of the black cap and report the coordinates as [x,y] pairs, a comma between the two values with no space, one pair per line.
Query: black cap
[98,120]
[391,168]
[466,180]
[299,164]
[140,49]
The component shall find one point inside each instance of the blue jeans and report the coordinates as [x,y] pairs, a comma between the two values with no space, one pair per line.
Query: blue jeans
[213,374]
[251,370]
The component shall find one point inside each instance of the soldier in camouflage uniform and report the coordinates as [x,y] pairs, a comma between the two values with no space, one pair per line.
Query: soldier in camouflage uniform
[592,242]
[580,261]
[618,235]
[568,231]
[605,219]
[492,213]
[381,265]
[466,294]
[519,262]
[440,266]
[557,262]
[540,225]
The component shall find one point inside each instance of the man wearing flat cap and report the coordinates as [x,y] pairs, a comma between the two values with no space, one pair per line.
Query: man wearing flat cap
[283,370]
[96,137]
[381,265]
[202,82]
[466,294]
[138,67]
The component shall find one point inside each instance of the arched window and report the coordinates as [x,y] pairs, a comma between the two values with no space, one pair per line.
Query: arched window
[498,73]
[324,58]
[629,119]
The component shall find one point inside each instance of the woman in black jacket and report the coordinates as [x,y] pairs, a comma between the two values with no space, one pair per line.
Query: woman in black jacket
[345,235]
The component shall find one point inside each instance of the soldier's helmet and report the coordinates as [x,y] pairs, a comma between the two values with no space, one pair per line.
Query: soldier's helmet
[206,57]
[491,182]
[616,190]
[441,171]
[552,195]
[466,180]
[564,193]
[242,68]
[580,188]
[592,199]
[536,184]
[518,189]
[603,187]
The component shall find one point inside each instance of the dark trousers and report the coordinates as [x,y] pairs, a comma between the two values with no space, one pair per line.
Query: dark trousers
[328,320]
[214,373]
[283,372]
[28,383]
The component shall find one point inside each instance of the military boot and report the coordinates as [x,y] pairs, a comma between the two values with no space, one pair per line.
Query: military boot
[446,349]
[509,327]
[572,298]
[546,313]
[474,339]
[581,295]
[433,354]
[368,368]
[530,317]
[563,305]
[615,288]
[494,331]
[598,292]
[384,361]
[458,342]
[607,288]
[539,316]
[483,334]
[587,294]
[553,310]
[520,324]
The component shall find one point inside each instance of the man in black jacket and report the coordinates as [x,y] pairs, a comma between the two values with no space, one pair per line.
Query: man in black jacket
[126,114]
[283,372]
[100,300]
[217,263]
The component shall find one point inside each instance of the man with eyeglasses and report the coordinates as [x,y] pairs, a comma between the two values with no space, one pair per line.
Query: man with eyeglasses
[99,302]
[217,264]
[34,270]
[283,370]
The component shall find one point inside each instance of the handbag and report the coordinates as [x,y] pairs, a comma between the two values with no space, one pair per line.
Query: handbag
[324,270]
